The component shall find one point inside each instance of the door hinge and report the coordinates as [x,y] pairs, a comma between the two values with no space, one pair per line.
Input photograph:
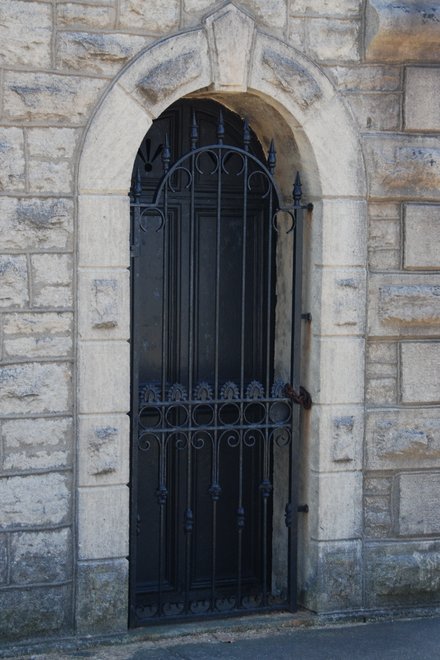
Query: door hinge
[302,397]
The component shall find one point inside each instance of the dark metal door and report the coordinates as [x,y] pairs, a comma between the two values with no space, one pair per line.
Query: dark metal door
[208,414]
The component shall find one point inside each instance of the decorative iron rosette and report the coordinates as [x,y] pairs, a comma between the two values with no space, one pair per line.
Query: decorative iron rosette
[278,389]
[229,391]
[177,392]
[255,390]
[203,392]
[149,393]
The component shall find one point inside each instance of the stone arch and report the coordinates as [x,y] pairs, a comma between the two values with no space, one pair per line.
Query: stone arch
[227,58]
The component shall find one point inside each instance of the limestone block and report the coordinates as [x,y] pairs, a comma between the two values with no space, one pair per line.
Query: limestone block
[50,97]
[105,304]
[381,390]
[341,369]
[403,31]
[342,301]
[197,5]
[343,429]
[3,559]
[337,508]
[105,509]
[383,238]
[371,78]
[270,13]
[72,15]
[230,34]
[104,449]
[377,485]
[51,280]
[50,164]
[35,388]
[46,177]
[32,335]
[422,89]
[25,34]
[35,500]
[420,365]
[403,166]
[340,8]
[418,498]
[155,17]
[12,166]
[32,223]
[51,143]
[104,376]
[404,304]
[104,231]
[347,219]
[421,236]
[327,39]
[32,444]
[13,281]
[38,557]
[377,517]
[36,611]
[93,52]
[402,573]
[376,112]
[102,591]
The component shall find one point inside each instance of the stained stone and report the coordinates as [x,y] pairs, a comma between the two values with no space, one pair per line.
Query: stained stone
[35,611]
[51,280]
[25,33]
[38,557]
[102,596]
[13,281]
[12,166]
[28,388]
[35,223]
[32,444]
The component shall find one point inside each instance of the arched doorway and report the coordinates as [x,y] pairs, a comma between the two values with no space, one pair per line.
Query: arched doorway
[214,433]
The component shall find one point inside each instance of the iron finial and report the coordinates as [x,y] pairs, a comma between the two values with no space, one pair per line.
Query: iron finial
[272,157]
[137,187]
[220,128]
[194,133]
[246,134]
[297,190]
[166,154]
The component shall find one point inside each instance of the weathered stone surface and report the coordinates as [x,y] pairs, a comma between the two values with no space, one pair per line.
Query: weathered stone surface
[291,77]
[25,33]
[420,369]
[422,89]
[371,78]
[402,31]
[102,363]
[104,311]
[13,281]
[342,8]
[50,97]
[381,382]
[106,217]
[405,166]
[46,177]
[156,17]
[345,218]
[3,558]
[422,236]
[403,438]
[342,296]
[38,557]
[35,500]
[102,596]
[30,612]
[332,387]
[12,167]
[402,574]
[161,80]
[50,165]
[104,449]
[376,112]
[84,16]
[52,143]
[417,496]
[230,33]
[51,280]
[32,223]
[337,513]
[35,388]
[343,428]
[327,39]
[105,509]
[37,335]
[272,13]
[384,237]
[377,516]
[37,443]
[94,52]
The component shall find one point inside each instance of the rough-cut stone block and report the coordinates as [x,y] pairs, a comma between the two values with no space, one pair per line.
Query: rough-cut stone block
[403,166]
[333,580]
[3,558]
[376,112]
[72,15]
[107,217]
[342,301]
[52,143]
[422,89]
[420,372]
[338,510]
[35,388]
[343,428]
[404,305]
[383,240]
[104,376]
[38,557]
[422,236]
[47,177]
[51,152]
[105,509]
[51,280]
[327,39]
[50,97]
[341,369]
[340,8]
[37,611]
[402,573]
[345,218]
[104,449]
[272,13]
[94,52]
[12,166]
[381,391]
[104,310]
[102,590]
[377,516]
[13,281]
[372,78]
[403,439]
[25,33]
[417,496]
[35,500]
[32,223]
[31,335]
[156,16]
[402,31]
[32,444]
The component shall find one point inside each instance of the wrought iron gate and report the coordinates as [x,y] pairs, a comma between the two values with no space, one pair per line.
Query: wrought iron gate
[214,431]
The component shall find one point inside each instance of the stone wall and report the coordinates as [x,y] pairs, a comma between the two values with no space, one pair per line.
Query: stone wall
[57,59]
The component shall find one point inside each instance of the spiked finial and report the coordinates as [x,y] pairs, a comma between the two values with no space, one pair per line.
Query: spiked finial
[297,191]
[220,128]
[194,133]
[271,158]
[166,154]
[137,187]
[246,134]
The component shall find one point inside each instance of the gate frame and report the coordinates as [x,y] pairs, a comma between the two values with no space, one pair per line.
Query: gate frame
[228,59]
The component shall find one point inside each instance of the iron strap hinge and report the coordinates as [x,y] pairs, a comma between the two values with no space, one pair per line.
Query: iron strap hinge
[134,251]
[302,397]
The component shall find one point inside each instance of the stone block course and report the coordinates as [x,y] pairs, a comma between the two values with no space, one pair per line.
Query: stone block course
[102,596]
[156,17]
[384,237]
[376,112]
[422,111]
[33,335]
[35,388]
[13,281]
[370,78]
[326,39]
[51,280]
[421,236]
[420,365]
[12,163]
[417,494]
[76,15]
[38,557]
[50,163]
[35,611]
[381,373]
[25,34]
[378,516]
